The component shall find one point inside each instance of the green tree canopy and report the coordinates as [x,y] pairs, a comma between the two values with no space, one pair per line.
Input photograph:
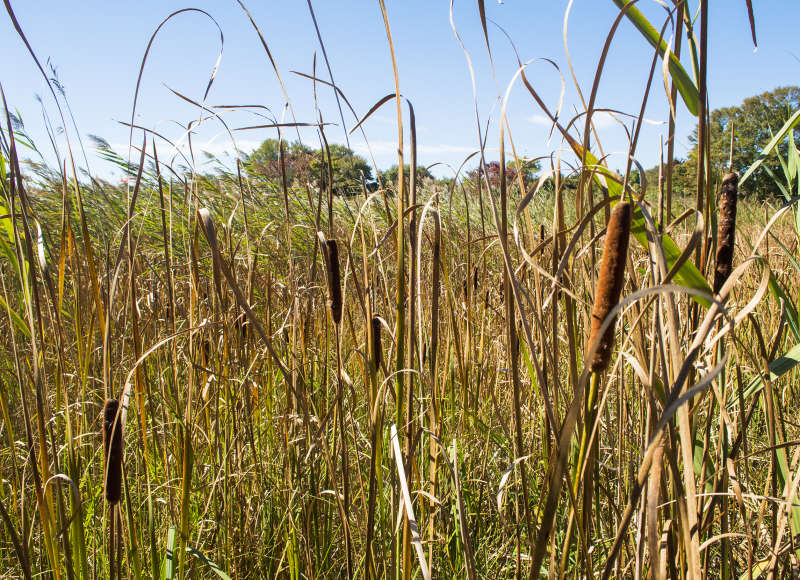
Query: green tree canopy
[753,124]
[303,164]
[390,175]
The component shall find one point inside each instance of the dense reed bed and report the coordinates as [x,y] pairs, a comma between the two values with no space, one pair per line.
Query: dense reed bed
[481,378]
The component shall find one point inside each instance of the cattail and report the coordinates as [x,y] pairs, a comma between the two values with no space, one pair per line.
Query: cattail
[609,283]
[112,450]
[376,342]
[334,281]
[726,229]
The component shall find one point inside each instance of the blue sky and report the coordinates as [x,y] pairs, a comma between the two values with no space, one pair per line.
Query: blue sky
[97,48]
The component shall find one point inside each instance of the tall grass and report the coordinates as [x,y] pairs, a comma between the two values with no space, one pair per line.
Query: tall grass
[474,378]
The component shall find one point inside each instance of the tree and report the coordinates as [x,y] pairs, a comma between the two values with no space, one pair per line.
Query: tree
[390,175]
[348,169]
[529,170]
[753,124]
[264,161]
[303,164]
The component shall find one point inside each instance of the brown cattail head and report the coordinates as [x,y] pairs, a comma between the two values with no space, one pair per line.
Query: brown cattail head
[334,281]
[726,229]
[376,342]
[610,281]
[112,451]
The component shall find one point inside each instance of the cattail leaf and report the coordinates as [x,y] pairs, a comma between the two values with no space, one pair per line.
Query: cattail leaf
[15,318]
[752,20]
[685,85]
[785,482]
[169,559]
[408,505]
[777,368]
[501,488]
[208,563]
[792,319]
[777,138]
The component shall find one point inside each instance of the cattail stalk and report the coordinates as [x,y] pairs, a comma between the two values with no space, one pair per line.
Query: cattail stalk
[726,229]
[376,421]
[607,293]
[335,309]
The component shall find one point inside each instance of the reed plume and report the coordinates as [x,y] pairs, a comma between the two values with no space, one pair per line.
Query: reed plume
[726,229]
[610,281]
[112,451]
[334,281]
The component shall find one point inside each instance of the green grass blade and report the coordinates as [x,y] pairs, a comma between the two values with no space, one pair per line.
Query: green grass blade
[169,557]
[200,556]
[777,368]
[779,136]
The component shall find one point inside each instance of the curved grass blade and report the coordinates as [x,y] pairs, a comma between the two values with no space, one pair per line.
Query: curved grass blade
[777,368]
[200,556]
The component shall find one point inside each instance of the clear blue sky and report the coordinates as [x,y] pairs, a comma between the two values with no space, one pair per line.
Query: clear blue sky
[97,48]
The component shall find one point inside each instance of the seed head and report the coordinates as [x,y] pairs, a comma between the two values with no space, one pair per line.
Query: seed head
[334,281]
[609,282]
[726,229]
[112,451]
[376,342]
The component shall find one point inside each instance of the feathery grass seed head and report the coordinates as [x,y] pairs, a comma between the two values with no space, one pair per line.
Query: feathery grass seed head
[610,281]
